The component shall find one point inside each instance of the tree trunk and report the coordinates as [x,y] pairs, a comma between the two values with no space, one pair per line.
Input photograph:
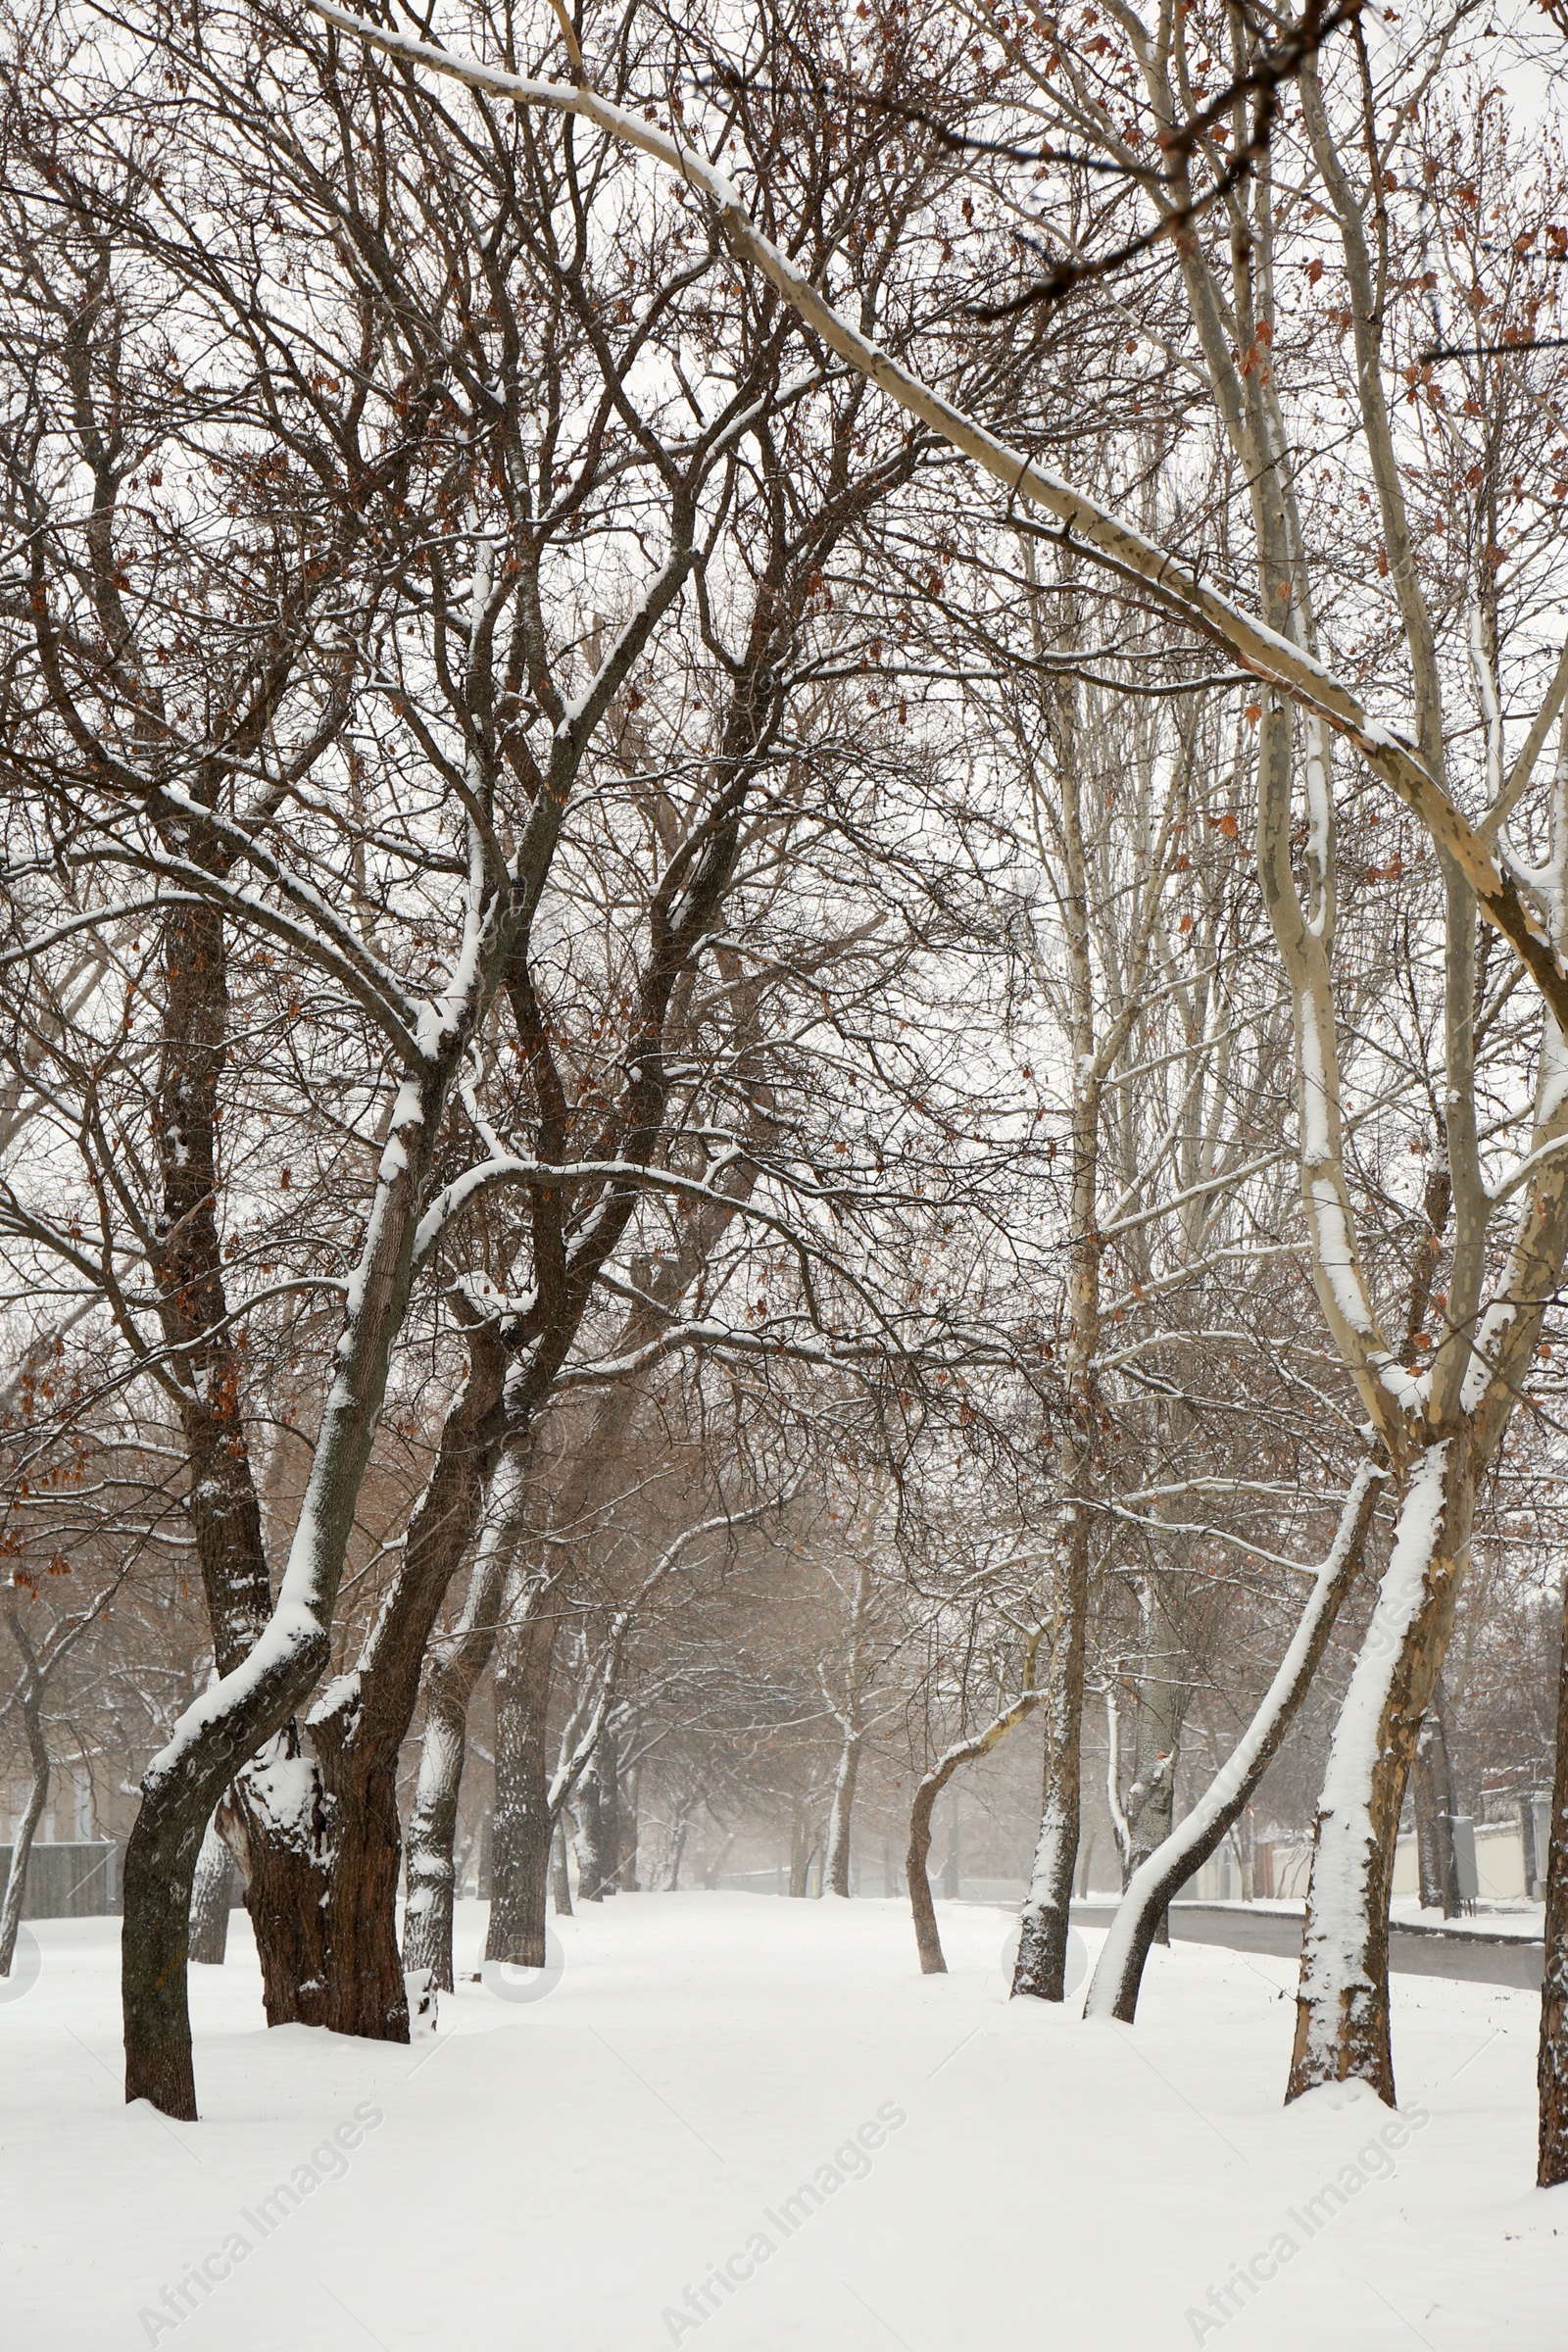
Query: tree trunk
[209,1903]
[519,1850]
[1443,1788]
[1040,1967]
[1163,1691]
[1552,2060]
[221,1503]
[927,1941]
[1427,1834]
[560,1875]
[624,1878]
[1341,2019]
[803,1845]
[836,1873]
[450,1680]
[27,1830]
[359,1723]
[273,1822]
[922,1910]
[1118,1975]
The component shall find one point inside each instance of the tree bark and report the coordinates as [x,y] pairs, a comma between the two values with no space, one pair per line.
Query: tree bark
[449,1681]
[836,1871]
[927,1941]
[1040,1967]
[1552,2059]
[1164,1687]
[37,1794]
[520,1852]
[208,1901]
[560,1875]
[1342,2020]
[1118,1975]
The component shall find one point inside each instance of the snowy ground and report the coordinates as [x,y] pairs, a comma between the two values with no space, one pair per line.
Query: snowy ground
[769,2089]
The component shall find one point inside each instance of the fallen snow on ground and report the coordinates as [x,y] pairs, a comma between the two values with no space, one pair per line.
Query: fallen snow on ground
[751,2125]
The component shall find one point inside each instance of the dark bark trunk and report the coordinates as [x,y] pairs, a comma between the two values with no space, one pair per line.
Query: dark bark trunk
[922,1910]
[360,1726]
[221,1503]
[1443,1787]
[1552,2059]
[519,1851]
[1428,1841]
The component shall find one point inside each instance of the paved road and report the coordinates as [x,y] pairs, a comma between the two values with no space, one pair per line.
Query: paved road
[1412,1951]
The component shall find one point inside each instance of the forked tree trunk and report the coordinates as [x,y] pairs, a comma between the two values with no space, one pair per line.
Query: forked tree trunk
[208,1901]
[1342,2020]
[1118,1975]
[1553,2058]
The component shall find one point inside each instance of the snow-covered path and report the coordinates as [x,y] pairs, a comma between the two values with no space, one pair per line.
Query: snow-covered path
[750,2124]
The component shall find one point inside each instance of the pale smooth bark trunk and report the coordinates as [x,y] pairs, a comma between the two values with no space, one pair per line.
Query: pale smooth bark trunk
[451,1677]
[1118,1974]
[560,1875]
[1164,1690]
[1039,1969]
[208,1901]
[1341,2024]
[836,1871]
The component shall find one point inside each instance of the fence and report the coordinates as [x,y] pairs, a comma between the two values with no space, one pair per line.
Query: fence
[68,1881]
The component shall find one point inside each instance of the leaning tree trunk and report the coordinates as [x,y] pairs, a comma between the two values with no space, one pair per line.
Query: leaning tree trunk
[927,1941]
[208,1901]
[1342,2017]
[1552,2060]
[519,1849]
[1118,1975]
